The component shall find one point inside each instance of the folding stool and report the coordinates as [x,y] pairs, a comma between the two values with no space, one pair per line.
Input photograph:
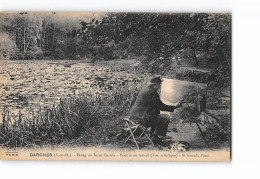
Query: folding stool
[132,127]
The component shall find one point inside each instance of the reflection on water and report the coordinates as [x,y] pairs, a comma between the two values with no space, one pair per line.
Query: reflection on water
[31,84]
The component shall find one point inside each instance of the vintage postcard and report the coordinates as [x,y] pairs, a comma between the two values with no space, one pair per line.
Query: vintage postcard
[115,86]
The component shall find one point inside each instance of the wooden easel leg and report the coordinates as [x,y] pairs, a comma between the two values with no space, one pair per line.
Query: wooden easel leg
[202,134]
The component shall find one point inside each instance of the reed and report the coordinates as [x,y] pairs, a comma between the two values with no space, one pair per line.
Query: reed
[94,118]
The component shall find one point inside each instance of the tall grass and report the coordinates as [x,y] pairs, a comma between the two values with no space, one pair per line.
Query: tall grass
[95,118]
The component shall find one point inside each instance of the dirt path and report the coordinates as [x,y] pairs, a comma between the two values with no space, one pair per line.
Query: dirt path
[189,133]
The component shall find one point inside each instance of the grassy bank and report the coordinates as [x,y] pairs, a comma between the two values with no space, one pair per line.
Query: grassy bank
[92,117]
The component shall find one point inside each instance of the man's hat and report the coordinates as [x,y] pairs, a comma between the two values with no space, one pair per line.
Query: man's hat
[156,80]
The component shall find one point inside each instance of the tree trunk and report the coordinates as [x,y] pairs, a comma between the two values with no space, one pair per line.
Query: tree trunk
[76,46]
[24,39]
[44,34]
[53,37]
[220,55]
[15,36]
[41,43]
[47,42]
[29,41]
[28,44]
[194,57]
[176,60]
[66,39]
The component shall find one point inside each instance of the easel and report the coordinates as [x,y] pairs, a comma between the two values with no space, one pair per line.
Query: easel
[202,134]
[202,108]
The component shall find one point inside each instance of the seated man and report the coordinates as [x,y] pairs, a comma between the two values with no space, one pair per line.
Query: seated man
[147,107]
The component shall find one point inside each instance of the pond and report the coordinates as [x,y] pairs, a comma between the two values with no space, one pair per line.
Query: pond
[32,84]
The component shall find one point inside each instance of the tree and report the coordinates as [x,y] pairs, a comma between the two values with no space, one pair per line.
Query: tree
[156,38]
[7,47]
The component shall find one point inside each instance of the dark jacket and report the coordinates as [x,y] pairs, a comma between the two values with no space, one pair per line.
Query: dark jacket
[148,105]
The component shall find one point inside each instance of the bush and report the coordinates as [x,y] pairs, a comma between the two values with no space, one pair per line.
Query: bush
[59,54]
[14,56]
[20,56]
[7,47]
[220,77]
[39,54]
[156,64]
[30,55]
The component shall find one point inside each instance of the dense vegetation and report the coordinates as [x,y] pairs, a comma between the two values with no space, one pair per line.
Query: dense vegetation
[154,37]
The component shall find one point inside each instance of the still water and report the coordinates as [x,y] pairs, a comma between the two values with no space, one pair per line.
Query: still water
[32,84]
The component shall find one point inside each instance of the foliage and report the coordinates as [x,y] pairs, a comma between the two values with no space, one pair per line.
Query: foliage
[86,116]
[43,31]
[30,55]
[7,47]
[157,37]
[59,54]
